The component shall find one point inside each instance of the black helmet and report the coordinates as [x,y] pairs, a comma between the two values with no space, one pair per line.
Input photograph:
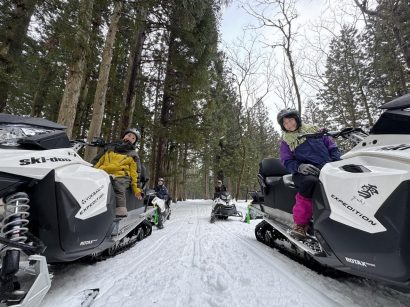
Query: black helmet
[289,113]
[135,132]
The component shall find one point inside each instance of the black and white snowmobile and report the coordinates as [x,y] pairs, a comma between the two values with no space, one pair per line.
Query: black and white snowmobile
[223,207]
[162,208]
[55,208]
[361,206]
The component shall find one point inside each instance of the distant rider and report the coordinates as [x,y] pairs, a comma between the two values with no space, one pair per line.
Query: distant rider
[303,158]
[161,190]
[219,188]
[121,162]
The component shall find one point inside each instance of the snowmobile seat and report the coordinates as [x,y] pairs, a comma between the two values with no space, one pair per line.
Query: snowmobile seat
[272,167]
[271,171]
[288,181]
[272,180]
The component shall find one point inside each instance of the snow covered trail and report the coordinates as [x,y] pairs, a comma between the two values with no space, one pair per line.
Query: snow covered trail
[194,263]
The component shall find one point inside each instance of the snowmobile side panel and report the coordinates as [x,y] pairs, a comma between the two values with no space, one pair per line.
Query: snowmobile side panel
[77,234]
[37,163]
[10,183]
[132,202]
[53,214]
[384,255]
[279,196]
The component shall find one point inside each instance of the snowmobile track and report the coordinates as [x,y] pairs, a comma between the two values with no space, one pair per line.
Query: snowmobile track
[318,296]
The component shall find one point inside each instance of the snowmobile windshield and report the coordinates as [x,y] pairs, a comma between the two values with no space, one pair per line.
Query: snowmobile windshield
[226,196]
[11,134]
[393,122]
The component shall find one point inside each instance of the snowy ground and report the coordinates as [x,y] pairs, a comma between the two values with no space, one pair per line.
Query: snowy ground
[194,263]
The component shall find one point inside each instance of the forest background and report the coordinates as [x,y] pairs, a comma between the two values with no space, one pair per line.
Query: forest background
[203,106]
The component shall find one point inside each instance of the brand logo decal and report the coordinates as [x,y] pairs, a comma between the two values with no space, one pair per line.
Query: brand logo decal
[359,262]
[396,147]
[91,204]
[87,242]
[34,160]
[354,210]
[368,191]
[92,194]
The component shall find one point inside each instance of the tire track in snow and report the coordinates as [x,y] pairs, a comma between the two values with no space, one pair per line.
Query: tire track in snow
[315,295]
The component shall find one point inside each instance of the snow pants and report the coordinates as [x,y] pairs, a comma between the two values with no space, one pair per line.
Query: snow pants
[120,185]
[302,209]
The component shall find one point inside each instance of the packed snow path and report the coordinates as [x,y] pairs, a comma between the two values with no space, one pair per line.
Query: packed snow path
[194,263]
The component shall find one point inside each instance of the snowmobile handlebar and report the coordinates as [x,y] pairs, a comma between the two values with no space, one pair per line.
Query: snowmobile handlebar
[356,134]
[77,144]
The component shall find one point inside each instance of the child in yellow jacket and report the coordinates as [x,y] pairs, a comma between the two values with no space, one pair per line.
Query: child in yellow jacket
[121,163]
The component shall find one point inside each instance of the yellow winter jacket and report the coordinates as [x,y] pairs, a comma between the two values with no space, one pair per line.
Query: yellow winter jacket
[120,165]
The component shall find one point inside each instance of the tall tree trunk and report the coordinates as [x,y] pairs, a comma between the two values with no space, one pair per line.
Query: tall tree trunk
[41,92]
[167,105]
[68,107]
[83,107]
[184,171]
[102,84]
[154,126]
[134,67]
[11,47]
[206,183]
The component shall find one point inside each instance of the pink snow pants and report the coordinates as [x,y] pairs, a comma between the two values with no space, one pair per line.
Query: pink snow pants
[302,210]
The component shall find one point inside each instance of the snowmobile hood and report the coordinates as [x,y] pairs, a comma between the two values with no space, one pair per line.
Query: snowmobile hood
[31,121]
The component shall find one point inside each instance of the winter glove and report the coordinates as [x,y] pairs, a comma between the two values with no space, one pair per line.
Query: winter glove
[308,169]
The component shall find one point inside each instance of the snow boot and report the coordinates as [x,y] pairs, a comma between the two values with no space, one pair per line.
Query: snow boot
[121,212]
[299,232]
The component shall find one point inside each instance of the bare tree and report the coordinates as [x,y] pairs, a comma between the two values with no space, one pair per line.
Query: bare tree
[282,20]
[253,78]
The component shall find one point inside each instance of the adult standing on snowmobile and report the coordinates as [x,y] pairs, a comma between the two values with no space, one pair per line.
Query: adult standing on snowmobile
[121,162]
[219,188]
[303,158]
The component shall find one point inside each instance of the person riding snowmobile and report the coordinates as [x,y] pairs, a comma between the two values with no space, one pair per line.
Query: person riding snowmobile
[303,158]
[121,161]
[219,188]
[162,192]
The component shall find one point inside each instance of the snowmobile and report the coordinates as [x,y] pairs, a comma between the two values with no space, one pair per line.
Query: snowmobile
[223,207]
[55,207]
[361,206]
[162,208]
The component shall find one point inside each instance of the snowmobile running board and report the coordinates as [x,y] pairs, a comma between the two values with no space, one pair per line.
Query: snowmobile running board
[285,230]
[41,284]
[124,224]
